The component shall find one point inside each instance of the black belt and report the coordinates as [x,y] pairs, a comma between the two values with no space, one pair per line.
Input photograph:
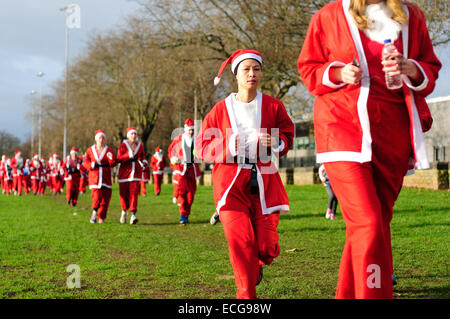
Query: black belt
[253,172]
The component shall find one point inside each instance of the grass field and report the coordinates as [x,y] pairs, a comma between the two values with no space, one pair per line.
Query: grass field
[157,258]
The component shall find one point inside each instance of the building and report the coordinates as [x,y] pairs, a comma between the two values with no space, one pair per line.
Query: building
[438,137]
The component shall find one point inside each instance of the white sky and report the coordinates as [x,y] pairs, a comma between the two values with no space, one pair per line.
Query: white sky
[32,39]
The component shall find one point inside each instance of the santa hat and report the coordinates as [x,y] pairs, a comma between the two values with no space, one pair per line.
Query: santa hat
[74,150]
[157,149]
[17,153]
[99,133]
[188,125]
[36,156]
[236,58]
[55,154]
[131,130]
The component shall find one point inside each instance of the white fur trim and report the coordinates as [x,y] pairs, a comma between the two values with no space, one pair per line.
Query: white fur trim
[216,81]
[243,57]
[421,86]
[326,76]
[380,23]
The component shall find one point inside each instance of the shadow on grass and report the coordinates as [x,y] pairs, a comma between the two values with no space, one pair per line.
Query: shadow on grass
[442,210]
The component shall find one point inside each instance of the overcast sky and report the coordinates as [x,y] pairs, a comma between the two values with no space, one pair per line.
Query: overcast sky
[32,39]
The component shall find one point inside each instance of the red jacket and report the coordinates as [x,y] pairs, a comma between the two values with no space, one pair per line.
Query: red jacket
[176,153]
[36,169]
[17,166]
[214,141]
[130,170]
[158,164]
[72,168]
[99,166]
[341,122]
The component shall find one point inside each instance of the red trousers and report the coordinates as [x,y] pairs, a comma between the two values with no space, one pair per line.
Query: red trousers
[57,184]
[367,193]
[42,186]
[35,186]
[7,184]
[83,182]
[187,186]
[129,193]
[73,189]
[17,183]
[157,181]
[252,237]
[143,187]
[100,200]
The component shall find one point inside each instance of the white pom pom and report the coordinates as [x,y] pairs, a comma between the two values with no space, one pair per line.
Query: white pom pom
[216,81]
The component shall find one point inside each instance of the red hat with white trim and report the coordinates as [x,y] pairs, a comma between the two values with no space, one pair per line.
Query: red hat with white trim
[236,58]
[188,125]
[36,156]
[74,150]
[131,130]
[157,149]
[17,152]
[99,133]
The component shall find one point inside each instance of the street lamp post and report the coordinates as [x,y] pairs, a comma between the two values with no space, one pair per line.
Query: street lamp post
[33,92]
[40,75]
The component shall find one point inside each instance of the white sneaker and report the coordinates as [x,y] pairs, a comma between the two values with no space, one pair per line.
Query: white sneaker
[328,214]
[333,216]
[214,219]
[123,217]
[100,221]
[133,220]
[174,200]
[93,219]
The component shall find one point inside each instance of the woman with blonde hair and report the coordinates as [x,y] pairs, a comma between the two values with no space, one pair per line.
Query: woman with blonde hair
[368,136]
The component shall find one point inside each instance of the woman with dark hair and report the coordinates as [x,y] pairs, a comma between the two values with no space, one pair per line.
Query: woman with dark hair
[368,136]
[239,135]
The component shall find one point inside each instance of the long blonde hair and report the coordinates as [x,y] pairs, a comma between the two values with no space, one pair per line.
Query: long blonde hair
[358,7]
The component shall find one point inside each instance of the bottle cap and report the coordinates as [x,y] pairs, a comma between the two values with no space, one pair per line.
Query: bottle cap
[387,41]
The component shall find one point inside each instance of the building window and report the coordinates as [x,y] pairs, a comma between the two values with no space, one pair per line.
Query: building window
[436,153]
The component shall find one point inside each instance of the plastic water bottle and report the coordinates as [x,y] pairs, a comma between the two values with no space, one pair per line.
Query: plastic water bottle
[392,82]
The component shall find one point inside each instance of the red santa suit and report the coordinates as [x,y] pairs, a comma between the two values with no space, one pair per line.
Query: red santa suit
[26,181]
[7,176]
[130,172]
[249,216]
[83,177]
[56,174]
[2,169]
[145,178]
[17,164]
[72,176]
[44,177]
[175,179]
[158,163]
[367,136]
[100,182]
[181,156]
[35,173]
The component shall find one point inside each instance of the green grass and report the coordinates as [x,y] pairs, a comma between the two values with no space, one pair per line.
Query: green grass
[157,258]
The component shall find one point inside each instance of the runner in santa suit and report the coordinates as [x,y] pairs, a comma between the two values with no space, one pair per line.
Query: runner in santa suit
[158,163]
[145,178]
[131,156]
[367,135]
[35,173]
[83,177]
[57,173]
[26,181]
[72,166]
[2,169]
[7,176]
[239,135]
[17,164]
[49,173]
[98,161]
[181,154]
[44,177]
[175,179]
